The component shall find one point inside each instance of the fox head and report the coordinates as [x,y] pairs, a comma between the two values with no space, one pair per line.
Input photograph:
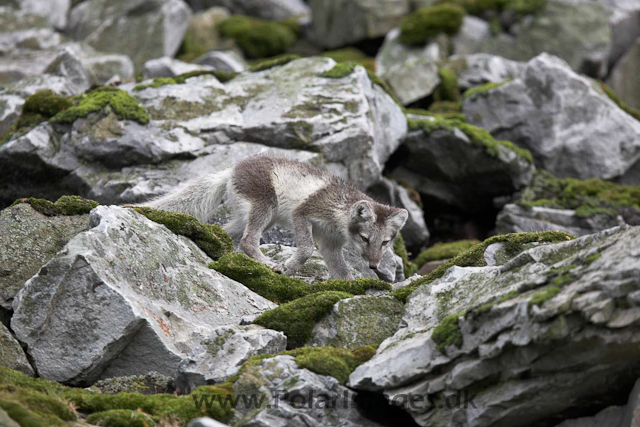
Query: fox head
[373,227]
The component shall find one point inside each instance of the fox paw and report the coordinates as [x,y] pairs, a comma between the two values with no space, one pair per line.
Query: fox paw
[278,268]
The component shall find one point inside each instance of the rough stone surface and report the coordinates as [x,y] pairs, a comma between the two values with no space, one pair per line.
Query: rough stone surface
[340,22]
[169,67]
[274,377]
[358,321]
[29,240]
[143,30]
[472,33]
[205,422]
[6,420]
[11,354]
[529,357]
[69,65]
[267,9]
[220,355]
[124,298]
[55,11]
[202,33]
[518,219]
[595,138]
[228,61]
[448,167]
[481,68]
[624,76]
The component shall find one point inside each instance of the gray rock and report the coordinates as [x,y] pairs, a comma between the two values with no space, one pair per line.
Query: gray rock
[118,305]
[6,420]
[447,166]
[54,10]
[340,22]
[266,9]
[415,232]
[220,355]
[595,138]
[169,67]
[577,33]
[280,387]
[11,354]
[472,33]
[623,78]
[517,219]
[205,422]
[358,321]
[228,61]
[29,240]
[69,65]
[518,356]
[143,29]
[387,270]
[203,35]
[481,68]
[103,67]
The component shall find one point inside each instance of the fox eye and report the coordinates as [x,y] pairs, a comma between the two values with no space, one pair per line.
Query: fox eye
[386,242]
[365,238]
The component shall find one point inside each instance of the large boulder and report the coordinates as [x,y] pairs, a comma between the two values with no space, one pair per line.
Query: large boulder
[29,240]
[624,76]
[11,354]
[55,11]
[593,138]
[340,22]
[482,68]
[124,298]
[525,341]
[266,9]
[143,29]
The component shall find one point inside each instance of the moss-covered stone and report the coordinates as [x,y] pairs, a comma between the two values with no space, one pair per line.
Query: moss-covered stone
[211,238]
[447,90]
[259,38]
[427,22]
[400,249]
[340,70]
[121,418]
[587,197]
[119,101]
[448,332]
[474,257]
[297,318]
[445,110]
[633,112]
[478,136]
[272,62]
[151,383]
[65,205]
[351,54]
[491,7]
[279,288]
[483,89]
[441,251]
[544,295]
[222,76]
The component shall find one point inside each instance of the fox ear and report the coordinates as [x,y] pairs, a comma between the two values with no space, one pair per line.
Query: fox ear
[362,211]
[398,218]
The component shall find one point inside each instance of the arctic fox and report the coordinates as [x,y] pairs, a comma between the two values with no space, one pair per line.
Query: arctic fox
[316,205]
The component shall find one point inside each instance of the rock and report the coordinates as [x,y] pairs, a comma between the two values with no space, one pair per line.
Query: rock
[305,398]
[388,269]
[141,305]
[223,61]
[202,34]
[220,355]
[428,267]
[358,321]
[340,22]
[594,139]
[415,232]
[150,383]
[143,30]
[6,420]
[69,65]
[54,10]
[29,240]
[517,219]
[12,355]
[205,422]
[469,38]
[266,9]
[169,67]
[104,67]
[623,76]
[514,335]
[481,68]
[577,33]
[446,165]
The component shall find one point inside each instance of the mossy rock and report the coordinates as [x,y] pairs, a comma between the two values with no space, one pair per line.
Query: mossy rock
[427,22]
[222,76]
[272,62]
[212,239]
[483,89]
[65,205]
[343,69]
[474,257]
[445,110]
[279,288]
[478,136]
[441,251]
[447,90]
[633,112]
[259,38]
[123,105]
[297,318]
[400,249]
[587,197]
[491,7]
[351,54]
[121,418]
[448,332]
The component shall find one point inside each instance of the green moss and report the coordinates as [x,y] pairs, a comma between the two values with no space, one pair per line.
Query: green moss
[157,82]
[65,205]
[119,101]
[400,249]
[211,238]
[279,288]
[478,136]
[483,89]
[506,297]
[38,108]
[297,318]
[474,257]
[444,110]
[591,258]
[587,197]
[151,383]
[341,69]
[448,332]
[491,7]
[222,76]
[258,38]
[633,112]
[447,90]
[441,251]
[121,418]
[544,295]
[272,62]
[442,107]
[427,22]
[351,54]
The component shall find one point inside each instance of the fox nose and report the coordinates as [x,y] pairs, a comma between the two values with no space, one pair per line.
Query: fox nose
[373,266]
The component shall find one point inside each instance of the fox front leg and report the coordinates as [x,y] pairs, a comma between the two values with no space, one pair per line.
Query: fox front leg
[304,245]
[338,267]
